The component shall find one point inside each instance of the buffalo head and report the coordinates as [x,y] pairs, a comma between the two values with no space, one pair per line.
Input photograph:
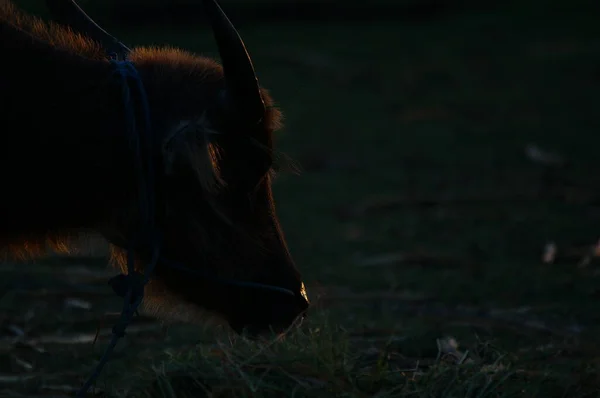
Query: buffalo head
[223,249]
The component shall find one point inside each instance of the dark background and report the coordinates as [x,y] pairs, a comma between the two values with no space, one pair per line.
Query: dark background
[445,147]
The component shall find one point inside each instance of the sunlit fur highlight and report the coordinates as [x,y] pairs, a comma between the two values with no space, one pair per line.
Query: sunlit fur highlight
[163,61]
[56,35]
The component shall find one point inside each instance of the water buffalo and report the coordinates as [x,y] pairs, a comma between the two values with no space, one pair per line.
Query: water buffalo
[68,167]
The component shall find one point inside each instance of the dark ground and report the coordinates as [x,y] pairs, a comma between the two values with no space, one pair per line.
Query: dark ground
[441,159]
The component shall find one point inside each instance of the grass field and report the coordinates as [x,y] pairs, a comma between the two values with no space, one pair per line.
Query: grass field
[441,160]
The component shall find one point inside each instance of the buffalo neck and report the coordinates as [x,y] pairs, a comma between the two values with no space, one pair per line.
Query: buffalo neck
[65,158]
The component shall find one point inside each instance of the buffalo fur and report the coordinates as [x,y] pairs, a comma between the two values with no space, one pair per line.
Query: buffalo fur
[66,162]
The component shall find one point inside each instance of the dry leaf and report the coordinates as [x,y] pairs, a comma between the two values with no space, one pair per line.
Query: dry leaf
[24,364]
[549,254]
[77,303]
[539,155]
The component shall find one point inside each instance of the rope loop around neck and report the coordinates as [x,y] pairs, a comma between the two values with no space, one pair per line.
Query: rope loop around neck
[130,286]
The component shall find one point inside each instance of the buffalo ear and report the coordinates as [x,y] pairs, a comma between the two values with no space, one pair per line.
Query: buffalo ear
[188,148]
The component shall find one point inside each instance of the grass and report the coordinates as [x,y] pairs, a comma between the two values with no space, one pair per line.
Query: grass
[427,199]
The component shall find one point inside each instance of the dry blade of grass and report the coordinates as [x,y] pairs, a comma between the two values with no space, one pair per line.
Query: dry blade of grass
[8,344]
[7,379]
[87,338]
[386,203]
[421,259]
[375,295]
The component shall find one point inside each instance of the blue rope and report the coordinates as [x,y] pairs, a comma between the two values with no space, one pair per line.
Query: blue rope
[131,285]
[223,281]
